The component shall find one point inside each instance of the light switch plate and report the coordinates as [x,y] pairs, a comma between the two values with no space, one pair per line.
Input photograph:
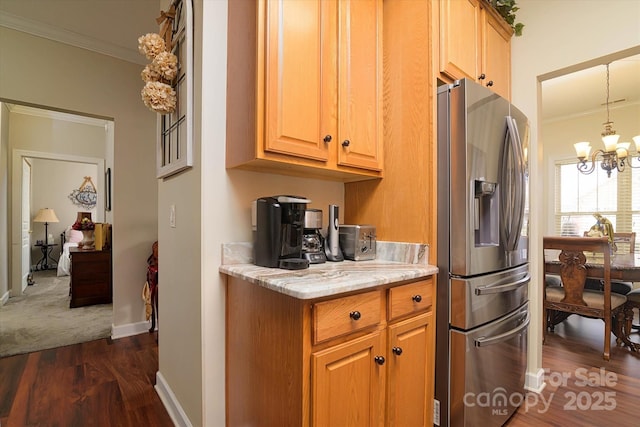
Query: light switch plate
[172,216]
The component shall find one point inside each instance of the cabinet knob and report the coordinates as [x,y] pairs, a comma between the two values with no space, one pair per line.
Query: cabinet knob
[416,298]
[397,351]
[327,139]
[355,315]
[490,83]
[379,360]
[482,76]
[346,143]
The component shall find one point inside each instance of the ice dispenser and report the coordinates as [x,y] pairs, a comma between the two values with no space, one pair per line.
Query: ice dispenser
[486,211]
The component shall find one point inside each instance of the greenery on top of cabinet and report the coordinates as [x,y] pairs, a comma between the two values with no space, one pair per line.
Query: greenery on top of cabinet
[507,9]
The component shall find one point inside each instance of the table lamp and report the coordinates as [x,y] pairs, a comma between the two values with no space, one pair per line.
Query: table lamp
[46,215]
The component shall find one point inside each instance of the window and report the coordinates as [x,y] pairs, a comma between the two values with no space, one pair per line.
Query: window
[174,152]
[579,196]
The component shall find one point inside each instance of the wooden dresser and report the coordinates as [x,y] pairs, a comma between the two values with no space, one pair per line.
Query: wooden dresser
[90,277]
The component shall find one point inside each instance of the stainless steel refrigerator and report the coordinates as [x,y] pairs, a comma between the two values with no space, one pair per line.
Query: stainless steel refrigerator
[482,291]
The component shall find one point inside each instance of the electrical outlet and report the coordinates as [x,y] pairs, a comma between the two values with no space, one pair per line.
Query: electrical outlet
[172,216]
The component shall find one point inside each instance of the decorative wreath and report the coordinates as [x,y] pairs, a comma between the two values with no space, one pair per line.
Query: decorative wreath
[85,196]
[157,93]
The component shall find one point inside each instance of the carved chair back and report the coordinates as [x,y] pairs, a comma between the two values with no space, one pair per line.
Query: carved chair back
[572,297]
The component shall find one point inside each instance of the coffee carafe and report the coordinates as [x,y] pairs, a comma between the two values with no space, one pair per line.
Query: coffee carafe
[312,240]
[278,225]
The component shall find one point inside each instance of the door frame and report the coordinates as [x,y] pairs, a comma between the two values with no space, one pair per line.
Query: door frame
[15,283]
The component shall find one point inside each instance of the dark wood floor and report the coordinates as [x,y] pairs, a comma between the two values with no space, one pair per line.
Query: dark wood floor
[110,383]
[594,392]
[97,383]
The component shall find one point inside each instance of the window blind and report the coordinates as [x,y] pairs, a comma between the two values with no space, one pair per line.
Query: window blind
[579,196]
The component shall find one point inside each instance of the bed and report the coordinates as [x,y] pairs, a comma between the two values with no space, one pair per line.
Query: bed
[69,239]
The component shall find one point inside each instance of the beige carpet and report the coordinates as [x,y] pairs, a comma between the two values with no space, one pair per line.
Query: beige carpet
[41,318]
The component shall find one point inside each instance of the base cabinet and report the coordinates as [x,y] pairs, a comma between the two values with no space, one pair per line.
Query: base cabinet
[365,359]
[90,277]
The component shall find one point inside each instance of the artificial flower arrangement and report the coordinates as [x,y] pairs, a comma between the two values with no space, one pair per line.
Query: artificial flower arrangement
[83,224]
[157,93]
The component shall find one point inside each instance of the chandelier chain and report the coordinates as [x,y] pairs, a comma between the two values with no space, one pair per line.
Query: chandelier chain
[608,121]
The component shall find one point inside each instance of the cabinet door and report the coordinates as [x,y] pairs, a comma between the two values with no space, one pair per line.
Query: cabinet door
[410,372]
[460,42]
[496,57]
[359,89]
[300,77]
[348,384]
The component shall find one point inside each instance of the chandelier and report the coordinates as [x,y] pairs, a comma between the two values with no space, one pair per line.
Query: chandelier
[615,154]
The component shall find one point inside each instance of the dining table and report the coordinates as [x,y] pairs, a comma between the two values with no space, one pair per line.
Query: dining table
[625,267]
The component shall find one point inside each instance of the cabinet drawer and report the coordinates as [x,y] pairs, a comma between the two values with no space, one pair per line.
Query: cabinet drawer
[410,298]
[345,315]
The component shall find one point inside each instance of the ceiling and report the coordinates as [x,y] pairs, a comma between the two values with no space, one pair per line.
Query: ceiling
[112,27]
[585,91]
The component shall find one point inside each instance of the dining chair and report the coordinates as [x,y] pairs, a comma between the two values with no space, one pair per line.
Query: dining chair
[623,243]
[571,297]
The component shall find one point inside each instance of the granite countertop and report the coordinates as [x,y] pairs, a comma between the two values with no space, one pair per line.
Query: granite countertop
[395,262]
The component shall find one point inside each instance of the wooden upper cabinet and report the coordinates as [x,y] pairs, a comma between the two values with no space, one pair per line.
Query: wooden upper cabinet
[475,42]
[460,38]
[299,53]
[360,84]
[496,54]
[304,88]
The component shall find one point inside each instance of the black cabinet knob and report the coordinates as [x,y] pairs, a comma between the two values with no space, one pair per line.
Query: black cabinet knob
[416,298]
[327,139]
[346,143]
[379,360]
[482,76]
[490,83]
[397,351]
[355,315]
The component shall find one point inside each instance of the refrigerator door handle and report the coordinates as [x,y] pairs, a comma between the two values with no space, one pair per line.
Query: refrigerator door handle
[512,198]
[486,290]
[522,170]
[486,341]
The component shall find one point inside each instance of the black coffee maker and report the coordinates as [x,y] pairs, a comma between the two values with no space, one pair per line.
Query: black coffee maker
[278,225]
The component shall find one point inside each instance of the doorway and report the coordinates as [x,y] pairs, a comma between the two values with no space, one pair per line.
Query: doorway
[41,135]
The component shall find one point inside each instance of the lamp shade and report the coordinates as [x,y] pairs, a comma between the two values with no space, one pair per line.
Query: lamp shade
[46,215]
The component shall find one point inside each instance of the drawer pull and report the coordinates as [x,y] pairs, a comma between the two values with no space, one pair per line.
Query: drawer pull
[379,360]
[355,315]
[327,139]
[482,76]
[490,83]
[346,143]
[416,298]
[397,351]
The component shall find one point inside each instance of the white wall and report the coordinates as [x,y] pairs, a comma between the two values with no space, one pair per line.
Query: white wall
[52,181]
[559,34]
[41,72]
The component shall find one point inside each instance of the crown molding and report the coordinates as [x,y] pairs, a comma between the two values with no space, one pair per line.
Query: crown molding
[71,38]
[56,115]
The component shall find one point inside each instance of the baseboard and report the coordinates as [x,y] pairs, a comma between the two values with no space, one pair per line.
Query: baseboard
[171,404]
[4,299]
[129,329]
[535,381]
